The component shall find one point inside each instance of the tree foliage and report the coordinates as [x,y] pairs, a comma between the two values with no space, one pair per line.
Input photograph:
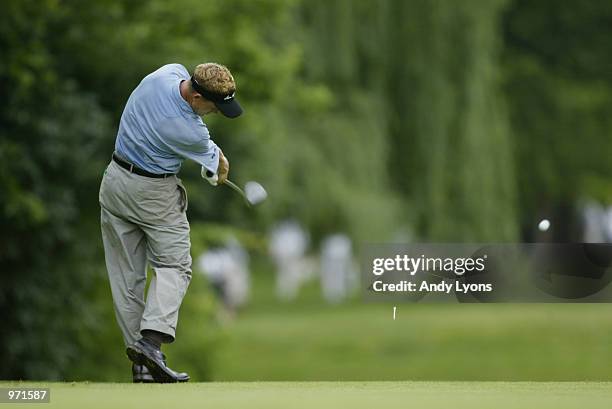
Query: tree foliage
[559,88]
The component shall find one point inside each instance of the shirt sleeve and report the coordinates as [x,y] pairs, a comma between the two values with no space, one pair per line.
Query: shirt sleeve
[192,141]
[206,153]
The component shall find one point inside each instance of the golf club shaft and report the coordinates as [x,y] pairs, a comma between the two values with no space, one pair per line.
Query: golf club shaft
[237,189]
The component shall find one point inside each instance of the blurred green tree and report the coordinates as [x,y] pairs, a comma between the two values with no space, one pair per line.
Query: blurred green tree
[558,76]
[425,76]
[49,143]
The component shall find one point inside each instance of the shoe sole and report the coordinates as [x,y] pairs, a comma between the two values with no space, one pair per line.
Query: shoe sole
[143,381]
[138,357]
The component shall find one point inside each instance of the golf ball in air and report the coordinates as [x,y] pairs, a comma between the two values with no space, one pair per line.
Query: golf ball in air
[544,225]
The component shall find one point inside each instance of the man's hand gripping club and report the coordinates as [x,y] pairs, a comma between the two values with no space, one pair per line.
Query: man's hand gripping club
[222,171]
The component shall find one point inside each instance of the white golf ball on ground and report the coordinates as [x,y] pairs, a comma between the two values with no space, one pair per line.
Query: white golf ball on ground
[544,225]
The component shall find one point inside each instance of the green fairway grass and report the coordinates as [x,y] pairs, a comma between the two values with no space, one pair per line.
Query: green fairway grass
[448,342]
[310,340]
[332,395]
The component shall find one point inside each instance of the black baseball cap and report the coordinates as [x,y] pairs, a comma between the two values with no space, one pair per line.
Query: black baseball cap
[226,103]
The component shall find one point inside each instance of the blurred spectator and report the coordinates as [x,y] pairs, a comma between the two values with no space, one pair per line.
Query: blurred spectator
[227,269]
[608,225]
[288,245]
[338,274]
[597,223]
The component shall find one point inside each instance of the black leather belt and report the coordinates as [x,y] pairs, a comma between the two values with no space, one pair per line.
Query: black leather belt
[134,169]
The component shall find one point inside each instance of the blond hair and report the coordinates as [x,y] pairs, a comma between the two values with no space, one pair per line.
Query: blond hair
[215,77]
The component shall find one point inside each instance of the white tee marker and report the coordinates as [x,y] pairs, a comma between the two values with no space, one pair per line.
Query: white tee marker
[394,309]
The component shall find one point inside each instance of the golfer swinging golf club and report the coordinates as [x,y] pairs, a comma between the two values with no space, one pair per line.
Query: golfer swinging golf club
[143,204]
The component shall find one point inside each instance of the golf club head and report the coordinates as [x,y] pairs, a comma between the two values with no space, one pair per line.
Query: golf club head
[255,193]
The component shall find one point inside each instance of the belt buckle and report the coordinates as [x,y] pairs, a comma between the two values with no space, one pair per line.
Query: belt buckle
[131,168]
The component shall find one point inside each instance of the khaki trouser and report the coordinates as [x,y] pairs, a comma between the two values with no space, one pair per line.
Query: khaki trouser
[143,220]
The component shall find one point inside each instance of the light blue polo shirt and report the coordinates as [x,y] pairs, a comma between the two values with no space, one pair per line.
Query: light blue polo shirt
[158,128]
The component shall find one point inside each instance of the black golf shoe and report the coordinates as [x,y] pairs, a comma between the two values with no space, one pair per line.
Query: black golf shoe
[143,353]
